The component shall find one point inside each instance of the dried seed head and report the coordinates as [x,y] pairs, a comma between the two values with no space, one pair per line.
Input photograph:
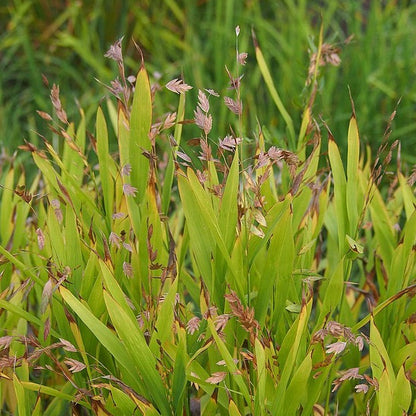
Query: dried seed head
[335,329]
[46,328]
[234,82]
[193,325]
[245,315]
[206,152]
[169,121]
[116,88]
[230,143]
[128,247]
[74,365]
[56,102]
[9,362]
[46,295]
[216,377]
[223,363]
[329,55]
[336,347]
[256,231]
[44,115]
[126,170]
[348,335]
[263,159]
[203,102]
[114,52]
[114,239]
[177,86]
[359,341]
[5,341]
[351,373]
[233,105]
[242,57]
[184,156]
[202,177]
[211,312]
[203,121]
[361,388]
[129,190]
[67,346]
[319,335]
[55,203]
[127,269]
[221,322]
[212,92]
[41,238]
[412,178]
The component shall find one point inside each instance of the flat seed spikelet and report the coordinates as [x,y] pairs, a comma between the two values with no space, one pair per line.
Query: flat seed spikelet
[235,106]
[177,86]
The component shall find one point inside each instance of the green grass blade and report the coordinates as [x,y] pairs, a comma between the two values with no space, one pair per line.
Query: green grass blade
[6,207]
[409,198]
[165,319]
[113,287]
[383,227]
[272,218]
[179,380]
[333,292]
[297,391]
[103,334]
[50,391]
[380,361]
[138,350]
[204,230]
[104,163]
[29,317]
[231,366]
[140,123]
[227,220]
[352,175]
[278,268]
[340,186]
[21,397]
[403,257]
[168,177]
[402,393]
[275,95]
[260,399]
[124,151]
[296,338]
[26,270]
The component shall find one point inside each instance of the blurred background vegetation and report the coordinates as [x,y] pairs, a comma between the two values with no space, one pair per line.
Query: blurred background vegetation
[66,41]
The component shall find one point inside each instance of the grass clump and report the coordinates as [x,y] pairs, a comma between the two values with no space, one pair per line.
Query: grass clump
[233,278]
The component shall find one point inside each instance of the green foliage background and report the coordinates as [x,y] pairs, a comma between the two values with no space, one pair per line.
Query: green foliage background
[65,41]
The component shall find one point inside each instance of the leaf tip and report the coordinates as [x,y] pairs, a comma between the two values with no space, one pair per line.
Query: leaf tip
[255,42]
[352,104]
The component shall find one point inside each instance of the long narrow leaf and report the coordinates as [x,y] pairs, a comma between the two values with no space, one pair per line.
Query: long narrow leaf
[275,95]
[139,352]
[140,122]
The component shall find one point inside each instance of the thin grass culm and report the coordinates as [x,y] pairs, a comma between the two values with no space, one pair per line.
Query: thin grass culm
[150,270]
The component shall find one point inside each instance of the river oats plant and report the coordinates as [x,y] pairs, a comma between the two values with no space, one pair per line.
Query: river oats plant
[232,279]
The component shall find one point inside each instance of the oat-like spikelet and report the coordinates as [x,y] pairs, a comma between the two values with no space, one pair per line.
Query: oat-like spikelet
[177,86]
[244,314]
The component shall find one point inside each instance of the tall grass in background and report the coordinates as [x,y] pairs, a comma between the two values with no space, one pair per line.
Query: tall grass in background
[64,40]
[224,275]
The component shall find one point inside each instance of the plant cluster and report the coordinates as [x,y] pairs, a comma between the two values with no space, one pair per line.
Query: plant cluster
[234,278]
